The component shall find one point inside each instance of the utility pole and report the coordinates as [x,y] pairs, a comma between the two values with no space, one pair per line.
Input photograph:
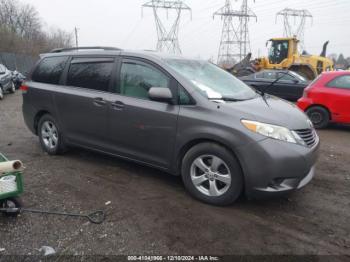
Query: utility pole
[294,23]
[76,36]
[235,42]
[168,40]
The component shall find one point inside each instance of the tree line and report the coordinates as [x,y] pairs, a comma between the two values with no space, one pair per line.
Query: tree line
[22,31]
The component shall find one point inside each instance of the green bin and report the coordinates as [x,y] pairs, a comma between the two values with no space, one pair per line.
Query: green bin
[11,184]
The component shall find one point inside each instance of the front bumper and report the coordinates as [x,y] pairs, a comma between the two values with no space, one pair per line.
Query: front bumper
[273,168]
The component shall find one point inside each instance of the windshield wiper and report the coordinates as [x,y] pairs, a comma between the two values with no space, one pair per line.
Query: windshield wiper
[229,99]
[263,92]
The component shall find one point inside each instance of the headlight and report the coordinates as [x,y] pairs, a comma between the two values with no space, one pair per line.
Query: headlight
[272,131]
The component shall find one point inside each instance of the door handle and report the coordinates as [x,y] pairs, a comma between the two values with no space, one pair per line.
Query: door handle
[118,105]
[98,101]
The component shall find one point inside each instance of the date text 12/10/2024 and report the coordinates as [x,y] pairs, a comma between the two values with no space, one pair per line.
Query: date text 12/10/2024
[173,258]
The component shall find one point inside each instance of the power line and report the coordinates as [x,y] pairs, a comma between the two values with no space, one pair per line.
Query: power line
[168,40]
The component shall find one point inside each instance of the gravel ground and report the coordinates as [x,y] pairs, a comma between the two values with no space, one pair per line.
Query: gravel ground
[151,213]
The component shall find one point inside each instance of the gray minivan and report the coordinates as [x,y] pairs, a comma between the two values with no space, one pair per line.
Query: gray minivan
[187,117]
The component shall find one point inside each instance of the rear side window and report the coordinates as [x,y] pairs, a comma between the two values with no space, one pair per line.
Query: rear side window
[49,70]
[340,82]
[90,75]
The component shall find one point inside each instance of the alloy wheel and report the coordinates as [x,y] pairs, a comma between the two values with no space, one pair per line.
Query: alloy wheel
[49,134]
[210,175]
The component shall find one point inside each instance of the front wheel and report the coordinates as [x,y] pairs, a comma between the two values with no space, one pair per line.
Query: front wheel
[212,174]
[319,116]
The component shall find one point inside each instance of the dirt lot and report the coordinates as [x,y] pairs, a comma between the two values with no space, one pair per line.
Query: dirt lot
[151,213]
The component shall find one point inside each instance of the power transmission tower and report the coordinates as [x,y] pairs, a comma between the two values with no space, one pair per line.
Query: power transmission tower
[294,21]
[235,42]
[168,40]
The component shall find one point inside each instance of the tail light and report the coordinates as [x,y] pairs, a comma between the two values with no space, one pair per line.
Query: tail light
[24,88]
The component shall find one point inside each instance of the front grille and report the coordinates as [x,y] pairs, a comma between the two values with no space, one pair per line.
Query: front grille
[309,136]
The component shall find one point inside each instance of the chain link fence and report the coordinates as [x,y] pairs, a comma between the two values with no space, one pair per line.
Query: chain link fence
[19,62]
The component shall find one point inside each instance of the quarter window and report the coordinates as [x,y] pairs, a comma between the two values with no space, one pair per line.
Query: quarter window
[137,79]
[184,97]
[90,75]
[341,82]
[50,70]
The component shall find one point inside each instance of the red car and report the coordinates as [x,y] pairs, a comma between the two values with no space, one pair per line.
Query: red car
[327,99]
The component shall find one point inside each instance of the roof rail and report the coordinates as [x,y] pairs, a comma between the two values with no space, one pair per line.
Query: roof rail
[59,50]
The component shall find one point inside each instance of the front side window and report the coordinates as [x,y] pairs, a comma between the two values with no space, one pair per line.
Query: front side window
[90,75]
[136,79]
[340,82]
[49,70]
[211,81]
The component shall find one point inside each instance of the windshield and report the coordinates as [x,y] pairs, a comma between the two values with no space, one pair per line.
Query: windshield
[212,81]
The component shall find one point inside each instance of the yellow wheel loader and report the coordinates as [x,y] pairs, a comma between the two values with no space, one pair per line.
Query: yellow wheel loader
[284,54]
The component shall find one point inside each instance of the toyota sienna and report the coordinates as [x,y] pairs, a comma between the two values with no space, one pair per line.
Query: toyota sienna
[187,117]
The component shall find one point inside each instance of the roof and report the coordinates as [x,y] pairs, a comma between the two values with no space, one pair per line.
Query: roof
[110,51]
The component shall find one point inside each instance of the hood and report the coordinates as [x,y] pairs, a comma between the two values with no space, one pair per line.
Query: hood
[273,110]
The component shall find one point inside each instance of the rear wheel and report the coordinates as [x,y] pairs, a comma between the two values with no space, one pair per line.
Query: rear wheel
[1,93]
[212,174]
[319,116]
[50,136]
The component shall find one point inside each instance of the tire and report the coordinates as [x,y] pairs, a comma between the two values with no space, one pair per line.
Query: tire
[1,93]
[12,90]
[50,136]
[217,186]
[11,203]
[319,116]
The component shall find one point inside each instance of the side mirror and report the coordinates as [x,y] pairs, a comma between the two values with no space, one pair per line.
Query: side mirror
[160,94]
[296,81]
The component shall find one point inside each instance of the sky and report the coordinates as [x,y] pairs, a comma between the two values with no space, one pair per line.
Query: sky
[123,24]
